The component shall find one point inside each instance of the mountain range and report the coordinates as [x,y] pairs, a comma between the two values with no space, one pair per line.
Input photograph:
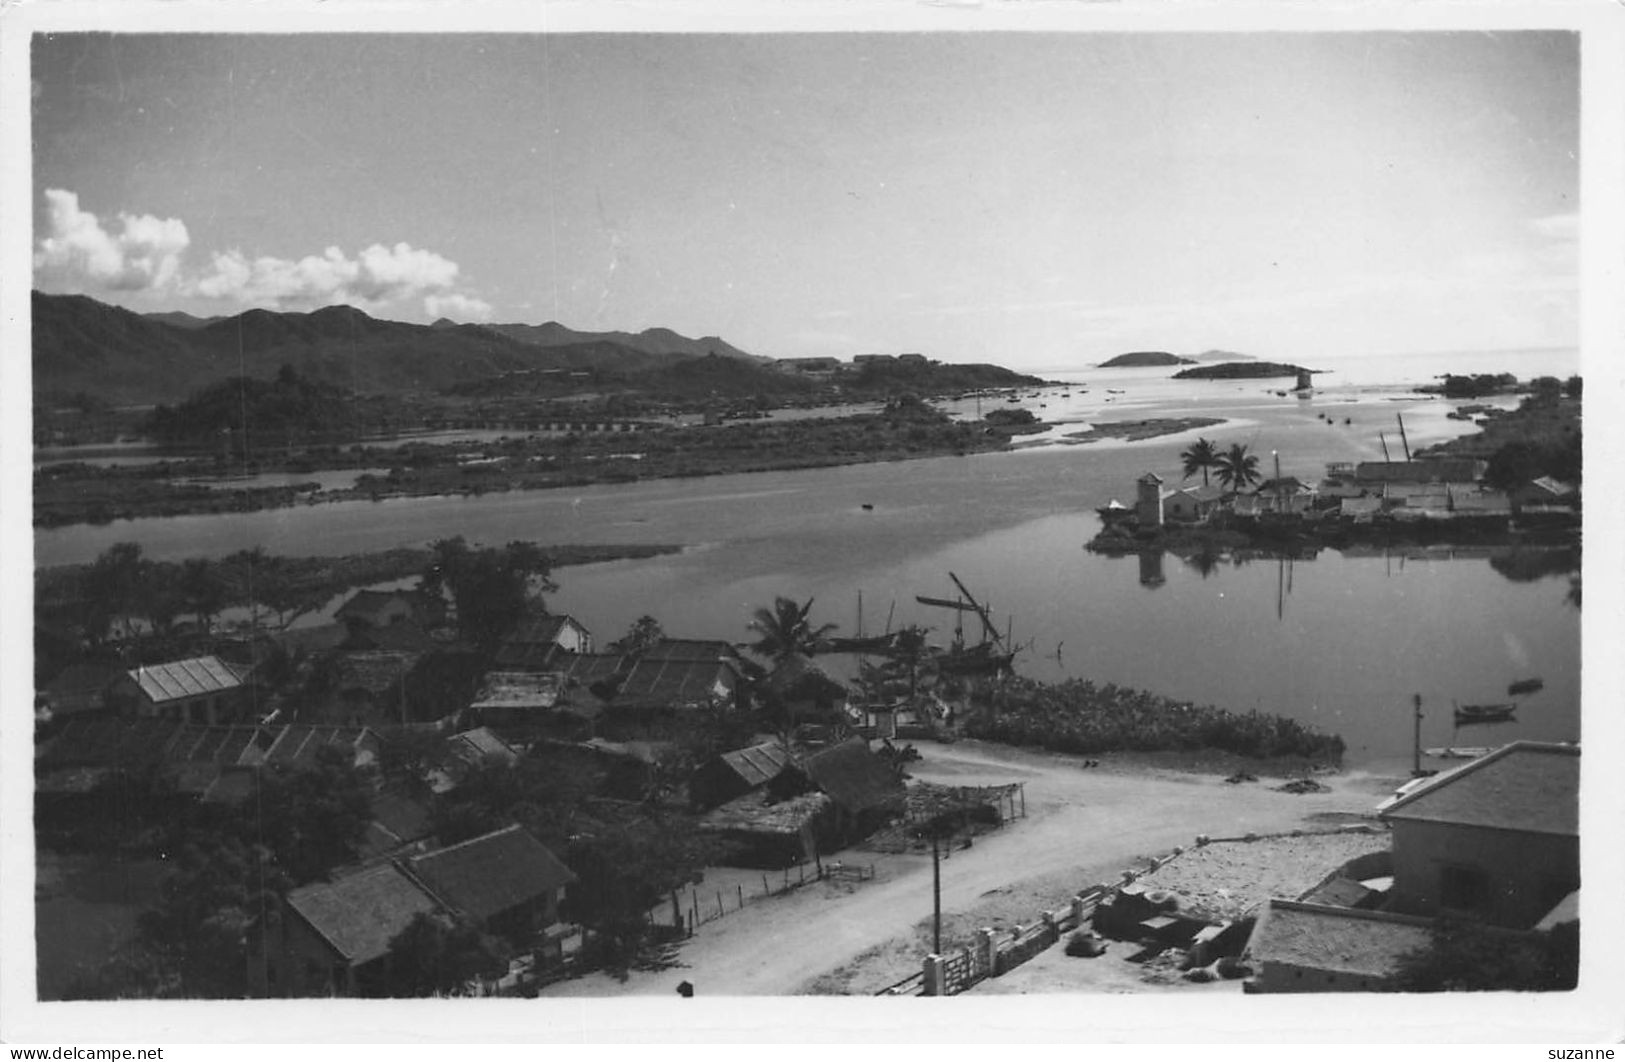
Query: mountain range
[84,346]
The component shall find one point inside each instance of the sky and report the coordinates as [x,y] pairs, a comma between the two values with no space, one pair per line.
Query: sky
[1039,200]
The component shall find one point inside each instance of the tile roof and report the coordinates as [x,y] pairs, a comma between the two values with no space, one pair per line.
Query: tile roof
[361,913]
[179,679]
[690,649]
[586,669]
[488,875]
[1529,786]
[674,682]
[758,764]
[1336,939]
[854,777]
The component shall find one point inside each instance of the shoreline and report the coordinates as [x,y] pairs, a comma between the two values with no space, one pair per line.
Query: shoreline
[139,493]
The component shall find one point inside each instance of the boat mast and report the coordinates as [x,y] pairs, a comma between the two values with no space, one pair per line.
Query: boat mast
[1402,438]
[1416,743]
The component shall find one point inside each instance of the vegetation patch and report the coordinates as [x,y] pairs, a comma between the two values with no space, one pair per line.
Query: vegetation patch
[1078,716]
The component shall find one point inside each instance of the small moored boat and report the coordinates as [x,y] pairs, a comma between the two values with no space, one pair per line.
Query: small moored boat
[1484,713]
[1523,686]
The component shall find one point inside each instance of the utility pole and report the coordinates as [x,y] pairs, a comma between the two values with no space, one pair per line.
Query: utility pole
[1416,743]
[936,895]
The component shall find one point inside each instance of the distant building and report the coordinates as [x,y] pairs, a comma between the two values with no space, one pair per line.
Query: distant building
[1497,839]
[808,366]
[1193,504]
[539,638]
[1543,492]
[1148,499]
[863,360]
[912,359]
[382,608]
[1422,470]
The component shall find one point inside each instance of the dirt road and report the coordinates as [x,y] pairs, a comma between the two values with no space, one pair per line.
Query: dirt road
[1083,825]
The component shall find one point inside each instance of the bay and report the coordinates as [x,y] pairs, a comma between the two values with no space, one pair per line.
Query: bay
[1343,643]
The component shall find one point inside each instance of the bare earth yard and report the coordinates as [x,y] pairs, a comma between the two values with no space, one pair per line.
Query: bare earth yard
[1083,825]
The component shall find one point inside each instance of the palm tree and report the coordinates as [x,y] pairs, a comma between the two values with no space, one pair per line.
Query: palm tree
[784,629]
[1202,456]
[1238,469]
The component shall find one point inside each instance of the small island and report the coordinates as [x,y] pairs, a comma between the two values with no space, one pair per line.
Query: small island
[1241,370]
[1140,359]
[1135,430]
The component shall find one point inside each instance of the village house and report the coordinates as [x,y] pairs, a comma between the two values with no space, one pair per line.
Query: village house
[1282,495]
[203,689]
[516,698]
[384,608]
[1193,505]
[1543,493]
[537,641]
[332,938]
[507,882]
[362,686]
[1372,475]
[1496,839]
[1312,947]
[678,674]
[79,689]
[808,366]
[729,775]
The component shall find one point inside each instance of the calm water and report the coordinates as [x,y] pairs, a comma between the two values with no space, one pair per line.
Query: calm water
[1342,642]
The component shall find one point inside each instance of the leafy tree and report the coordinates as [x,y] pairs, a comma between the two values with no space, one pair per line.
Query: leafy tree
[311,819]
[1237,468]
[433,957]
[1573,386]
[1201,456]
[203,590]
[193,943]
[116,582]
[785,629]
[625,867]
[491,587]
[644,633]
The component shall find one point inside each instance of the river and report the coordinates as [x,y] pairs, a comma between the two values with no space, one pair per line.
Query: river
[1340,642]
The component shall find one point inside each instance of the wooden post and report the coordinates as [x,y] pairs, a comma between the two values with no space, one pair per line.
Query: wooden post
[765,890]
[936,898]
[1416,743]
[741,889]
[719,903]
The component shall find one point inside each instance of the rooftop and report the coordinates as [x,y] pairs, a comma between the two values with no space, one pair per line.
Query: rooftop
[758,764]
[488,875]
[518,689]
[179,679]
[1337,939]
[1530,786]
[360,914]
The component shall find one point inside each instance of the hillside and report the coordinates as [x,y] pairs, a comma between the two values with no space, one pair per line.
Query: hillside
[1145,358]
[84,346]
[648,341]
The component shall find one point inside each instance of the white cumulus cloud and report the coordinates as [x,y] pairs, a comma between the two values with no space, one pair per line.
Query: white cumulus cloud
[378,275]
[144,255]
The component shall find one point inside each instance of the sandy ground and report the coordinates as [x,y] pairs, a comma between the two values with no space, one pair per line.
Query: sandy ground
[1083,826]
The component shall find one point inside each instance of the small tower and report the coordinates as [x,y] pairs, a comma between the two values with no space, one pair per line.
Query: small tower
[1148,500]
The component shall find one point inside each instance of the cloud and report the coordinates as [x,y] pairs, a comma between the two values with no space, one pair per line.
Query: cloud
[457,307]
[143,256]
[378,275]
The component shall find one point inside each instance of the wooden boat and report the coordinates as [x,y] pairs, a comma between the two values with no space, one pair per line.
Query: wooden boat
[1463,753]
[1484,713]
[1523,686]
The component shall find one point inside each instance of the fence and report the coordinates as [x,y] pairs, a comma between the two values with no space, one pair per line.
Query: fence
[994,954]
[690,908]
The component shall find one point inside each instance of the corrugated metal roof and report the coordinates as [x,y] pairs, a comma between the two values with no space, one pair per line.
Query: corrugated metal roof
[180,679]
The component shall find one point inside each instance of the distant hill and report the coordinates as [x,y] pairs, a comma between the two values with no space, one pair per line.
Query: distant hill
[180,319]
[1143,358]
[1238,370]
[650,340]
[85,346]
